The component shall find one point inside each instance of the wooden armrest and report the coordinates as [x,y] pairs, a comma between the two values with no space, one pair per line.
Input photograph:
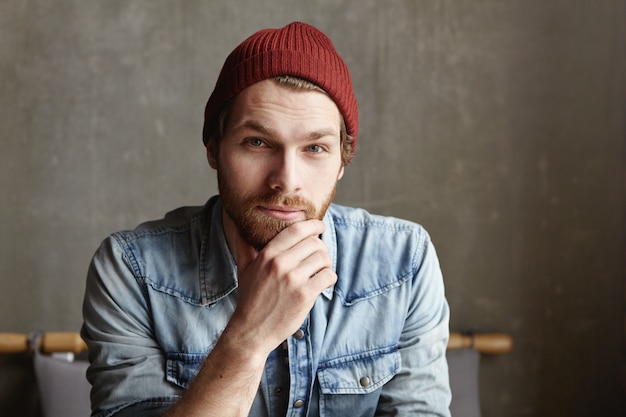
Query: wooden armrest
[50,342]
[489,343]
[13,342]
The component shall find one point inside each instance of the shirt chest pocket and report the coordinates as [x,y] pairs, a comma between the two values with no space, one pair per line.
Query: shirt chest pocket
[182,368]
[352,386]
[359,374]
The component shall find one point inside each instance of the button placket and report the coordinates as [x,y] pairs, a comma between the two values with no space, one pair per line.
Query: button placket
[275,382]
[300,367]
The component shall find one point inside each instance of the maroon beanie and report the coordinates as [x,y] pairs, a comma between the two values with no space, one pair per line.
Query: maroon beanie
[299,50]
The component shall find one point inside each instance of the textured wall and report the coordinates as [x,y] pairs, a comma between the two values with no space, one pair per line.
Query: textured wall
[499,125]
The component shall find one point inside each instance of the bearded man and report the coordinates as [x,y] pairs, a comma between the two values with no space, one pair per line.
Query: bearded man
[270,300]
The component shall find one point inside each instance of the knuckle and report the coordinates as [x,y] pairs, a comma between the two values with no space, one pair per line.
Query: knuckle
[300,295]
[291,276]
[329,278]
[275,265]
[323,257]
[297,228]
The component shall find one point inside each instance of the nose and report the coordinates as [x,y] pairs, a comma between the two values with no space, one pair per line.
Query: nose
[285,173]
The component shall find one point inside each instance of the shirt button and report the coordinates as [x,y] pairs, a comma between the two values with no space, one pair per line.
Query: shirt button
[299,334]
[365,381]
[298,404]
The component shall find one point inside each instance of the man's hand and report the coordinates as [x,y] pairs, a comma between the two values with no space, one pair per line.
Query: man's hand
[280,286]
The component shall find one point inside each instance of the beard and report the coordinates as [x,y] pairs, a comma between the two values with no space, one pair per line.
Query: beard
[256,228]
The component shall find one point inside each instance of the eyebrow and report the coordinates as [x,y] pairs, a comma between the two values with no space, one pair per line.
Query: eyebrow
[268,131]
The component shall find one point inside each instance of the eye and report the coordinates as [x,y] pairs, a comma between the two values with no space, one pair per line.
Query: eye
[255,142]
[315,149]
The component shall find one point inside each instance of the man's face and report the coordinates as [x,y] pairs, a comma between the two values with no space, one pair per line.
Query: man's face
[279,160]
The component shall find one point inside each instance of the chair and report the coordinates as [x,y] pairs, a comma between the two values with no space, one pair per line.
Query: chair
[64,390]
[62,386]
[464,352]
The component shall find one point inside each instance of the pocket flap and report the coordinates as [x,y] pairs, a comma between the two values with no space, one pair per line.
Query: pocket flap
[359,374]
[182,368]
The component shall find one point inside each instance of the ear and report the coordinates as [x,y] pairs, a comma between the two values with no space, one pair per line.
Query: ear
[211,154]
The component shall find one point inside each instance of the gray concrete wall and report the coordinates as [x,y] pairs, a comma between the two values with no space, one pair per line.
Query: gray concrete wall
[499,125]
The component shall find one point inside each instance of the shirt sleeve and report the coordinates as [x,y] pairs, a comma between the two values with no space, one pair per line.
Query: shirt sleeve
[422,387]
[127,366]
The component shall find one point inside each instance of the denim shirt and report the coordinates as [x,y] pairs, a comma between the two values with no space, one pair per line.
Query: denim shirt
[158,298]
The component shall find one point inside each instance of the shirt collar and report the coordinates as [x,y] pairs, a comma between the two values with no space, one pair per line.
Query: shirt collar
[329,237]
[218,271]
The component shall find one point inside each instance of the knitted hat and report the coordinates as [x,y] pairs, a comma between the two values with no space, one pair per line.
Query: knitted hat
[298,50]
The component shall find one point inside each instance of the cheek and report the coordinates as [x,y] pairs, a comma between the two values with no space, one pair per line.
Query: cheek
[327,175]
[321,185]
[239,175]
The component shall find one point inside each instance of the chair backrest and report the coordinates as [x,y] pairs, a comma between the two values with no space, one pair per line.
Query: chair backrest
[463,354]
[63,387]
[61,382]
[463,365]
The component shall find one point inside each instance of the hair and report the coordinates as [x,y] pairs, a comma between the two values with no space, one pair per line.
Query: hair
[347,142]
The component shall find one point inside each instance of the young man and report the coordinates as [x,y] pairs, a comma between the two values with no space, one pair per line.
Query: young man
[270,300]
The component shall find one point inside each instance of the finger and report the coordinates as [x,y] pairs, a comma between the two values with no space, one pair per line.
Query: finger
[325,278]
[299,262]
[284,253]
[294,233]
[304,260]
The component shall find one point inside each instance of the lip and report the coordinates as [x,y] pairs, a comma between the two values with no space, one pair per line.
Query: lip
[283,212]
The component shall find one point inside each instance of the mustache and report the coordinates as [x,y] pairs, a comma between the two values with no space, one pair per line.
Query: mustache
[279,199]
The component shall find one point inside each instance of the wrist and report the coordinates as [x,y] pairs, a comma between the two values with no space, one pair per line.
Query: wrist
[243,347]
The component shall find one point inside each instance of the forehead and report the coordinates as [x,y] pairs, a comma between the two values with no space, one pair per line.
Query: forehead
[281,106]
